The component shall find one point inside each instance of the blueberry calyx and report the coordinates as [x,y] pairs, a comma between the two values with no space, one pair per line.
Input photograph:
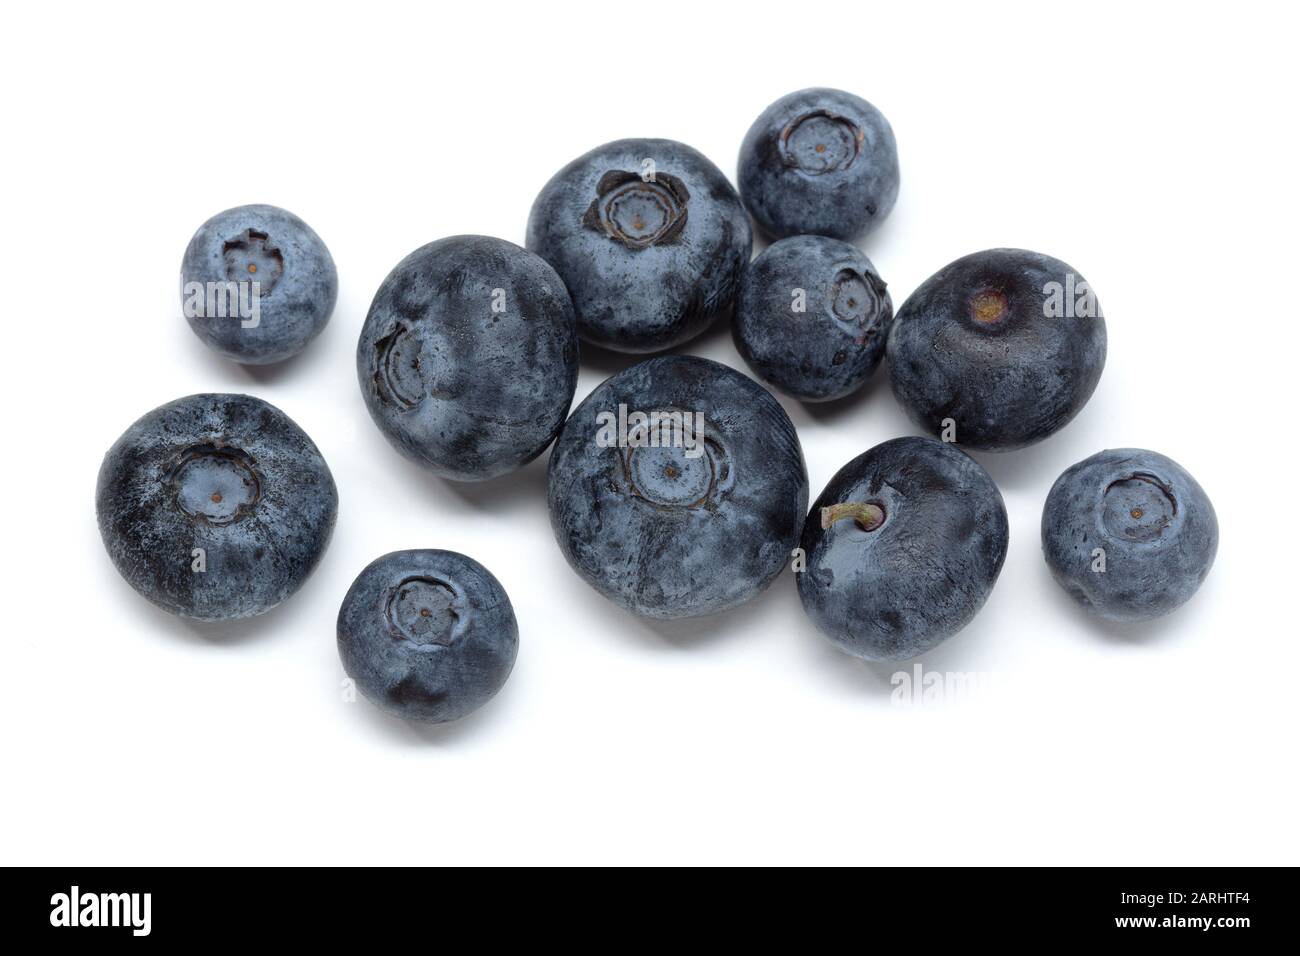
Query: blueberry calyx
[427,611]
[821,142]
[638,212]
[214,483]
[251,256]
[1138,507]
[856,301]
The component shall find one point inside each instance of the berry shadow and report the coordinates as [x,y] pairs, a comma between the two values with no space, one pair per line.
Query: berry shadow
[1131,634]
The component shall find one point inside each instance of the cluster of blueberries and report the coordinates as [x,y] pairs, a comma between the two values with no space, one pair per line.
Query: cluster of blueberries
[678,486]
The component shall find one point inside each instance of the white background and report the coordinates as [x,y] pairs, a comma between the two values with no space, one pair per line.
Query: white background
[1153,148]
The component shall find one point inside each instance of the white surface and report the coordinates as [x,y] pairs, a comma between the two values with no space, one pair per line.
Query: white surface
[1152,150]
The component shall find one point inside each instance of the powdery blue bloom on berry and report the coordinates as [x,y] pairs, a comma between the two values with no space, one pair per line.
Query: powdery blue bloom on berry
[903,548]
[812,317]
[1129,534]
[215,507]
[819,162]
[468,358]
[297,284]
[992,346]
[427,635]
[650,239]
[679,529]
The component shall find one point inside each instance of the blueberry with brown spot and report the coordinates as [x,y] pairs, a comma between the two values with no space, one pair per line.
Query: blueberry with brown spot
[998,350]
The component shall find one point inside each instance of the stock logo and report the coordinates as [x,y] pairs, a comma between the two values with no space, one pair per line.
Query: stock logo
[128,910]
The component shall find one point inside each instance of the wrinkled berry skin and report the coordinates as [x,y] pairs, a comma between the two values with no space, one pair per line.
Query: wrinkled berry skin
[689,527]
[812,317]
[427,635]
[297,281]
[228,474]
[819,162]
[468,358]
[1155,527]
[922,573]
[650,264]
[1006,343]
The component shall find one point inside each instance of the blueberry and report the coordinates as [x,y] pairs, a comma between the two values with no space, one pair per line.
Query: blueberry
[215,507]
[1129,534]
[469,357]
[257,285]
[998,350]
[812,317]
[902,548]
[427,635]
[677,488]
[649,237]
[819,162]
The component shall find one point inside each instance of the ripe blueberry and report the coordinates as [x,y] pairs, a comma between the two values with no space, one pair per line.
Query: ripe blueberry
[1129,534]
[902,548]
[650,239]
[997,350]
[819,162]
[427,635]
[215,507]
[469,357]
[812,317]
[677,488]
[257,284]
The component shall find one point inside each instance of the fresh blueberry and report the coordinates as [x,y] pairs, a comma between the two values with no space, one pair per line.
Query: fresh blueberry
[812,317]
[469,357]
[677,488]
[427,635]
[819,162]
[998,350]
[902,549]
[257,285]
[215,507]
[649,237]
[1129,534]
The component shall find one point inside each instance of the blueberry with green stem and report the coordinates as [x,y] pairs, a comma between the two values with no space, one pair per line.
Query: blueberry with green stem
[903,548]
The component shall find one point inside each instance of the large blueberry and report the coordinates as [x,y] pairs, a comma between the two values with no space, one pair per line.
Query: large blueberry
[650,239]
[812,317]
[427,635]
[215,507]
[469,357]
[998,350]
[902,549]
[819,162]
[677,488]
[257,284]
[1129,534]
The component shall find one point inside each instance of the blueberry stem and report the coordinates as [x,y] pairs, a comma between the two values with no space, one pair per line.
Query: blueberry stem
[868,516]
